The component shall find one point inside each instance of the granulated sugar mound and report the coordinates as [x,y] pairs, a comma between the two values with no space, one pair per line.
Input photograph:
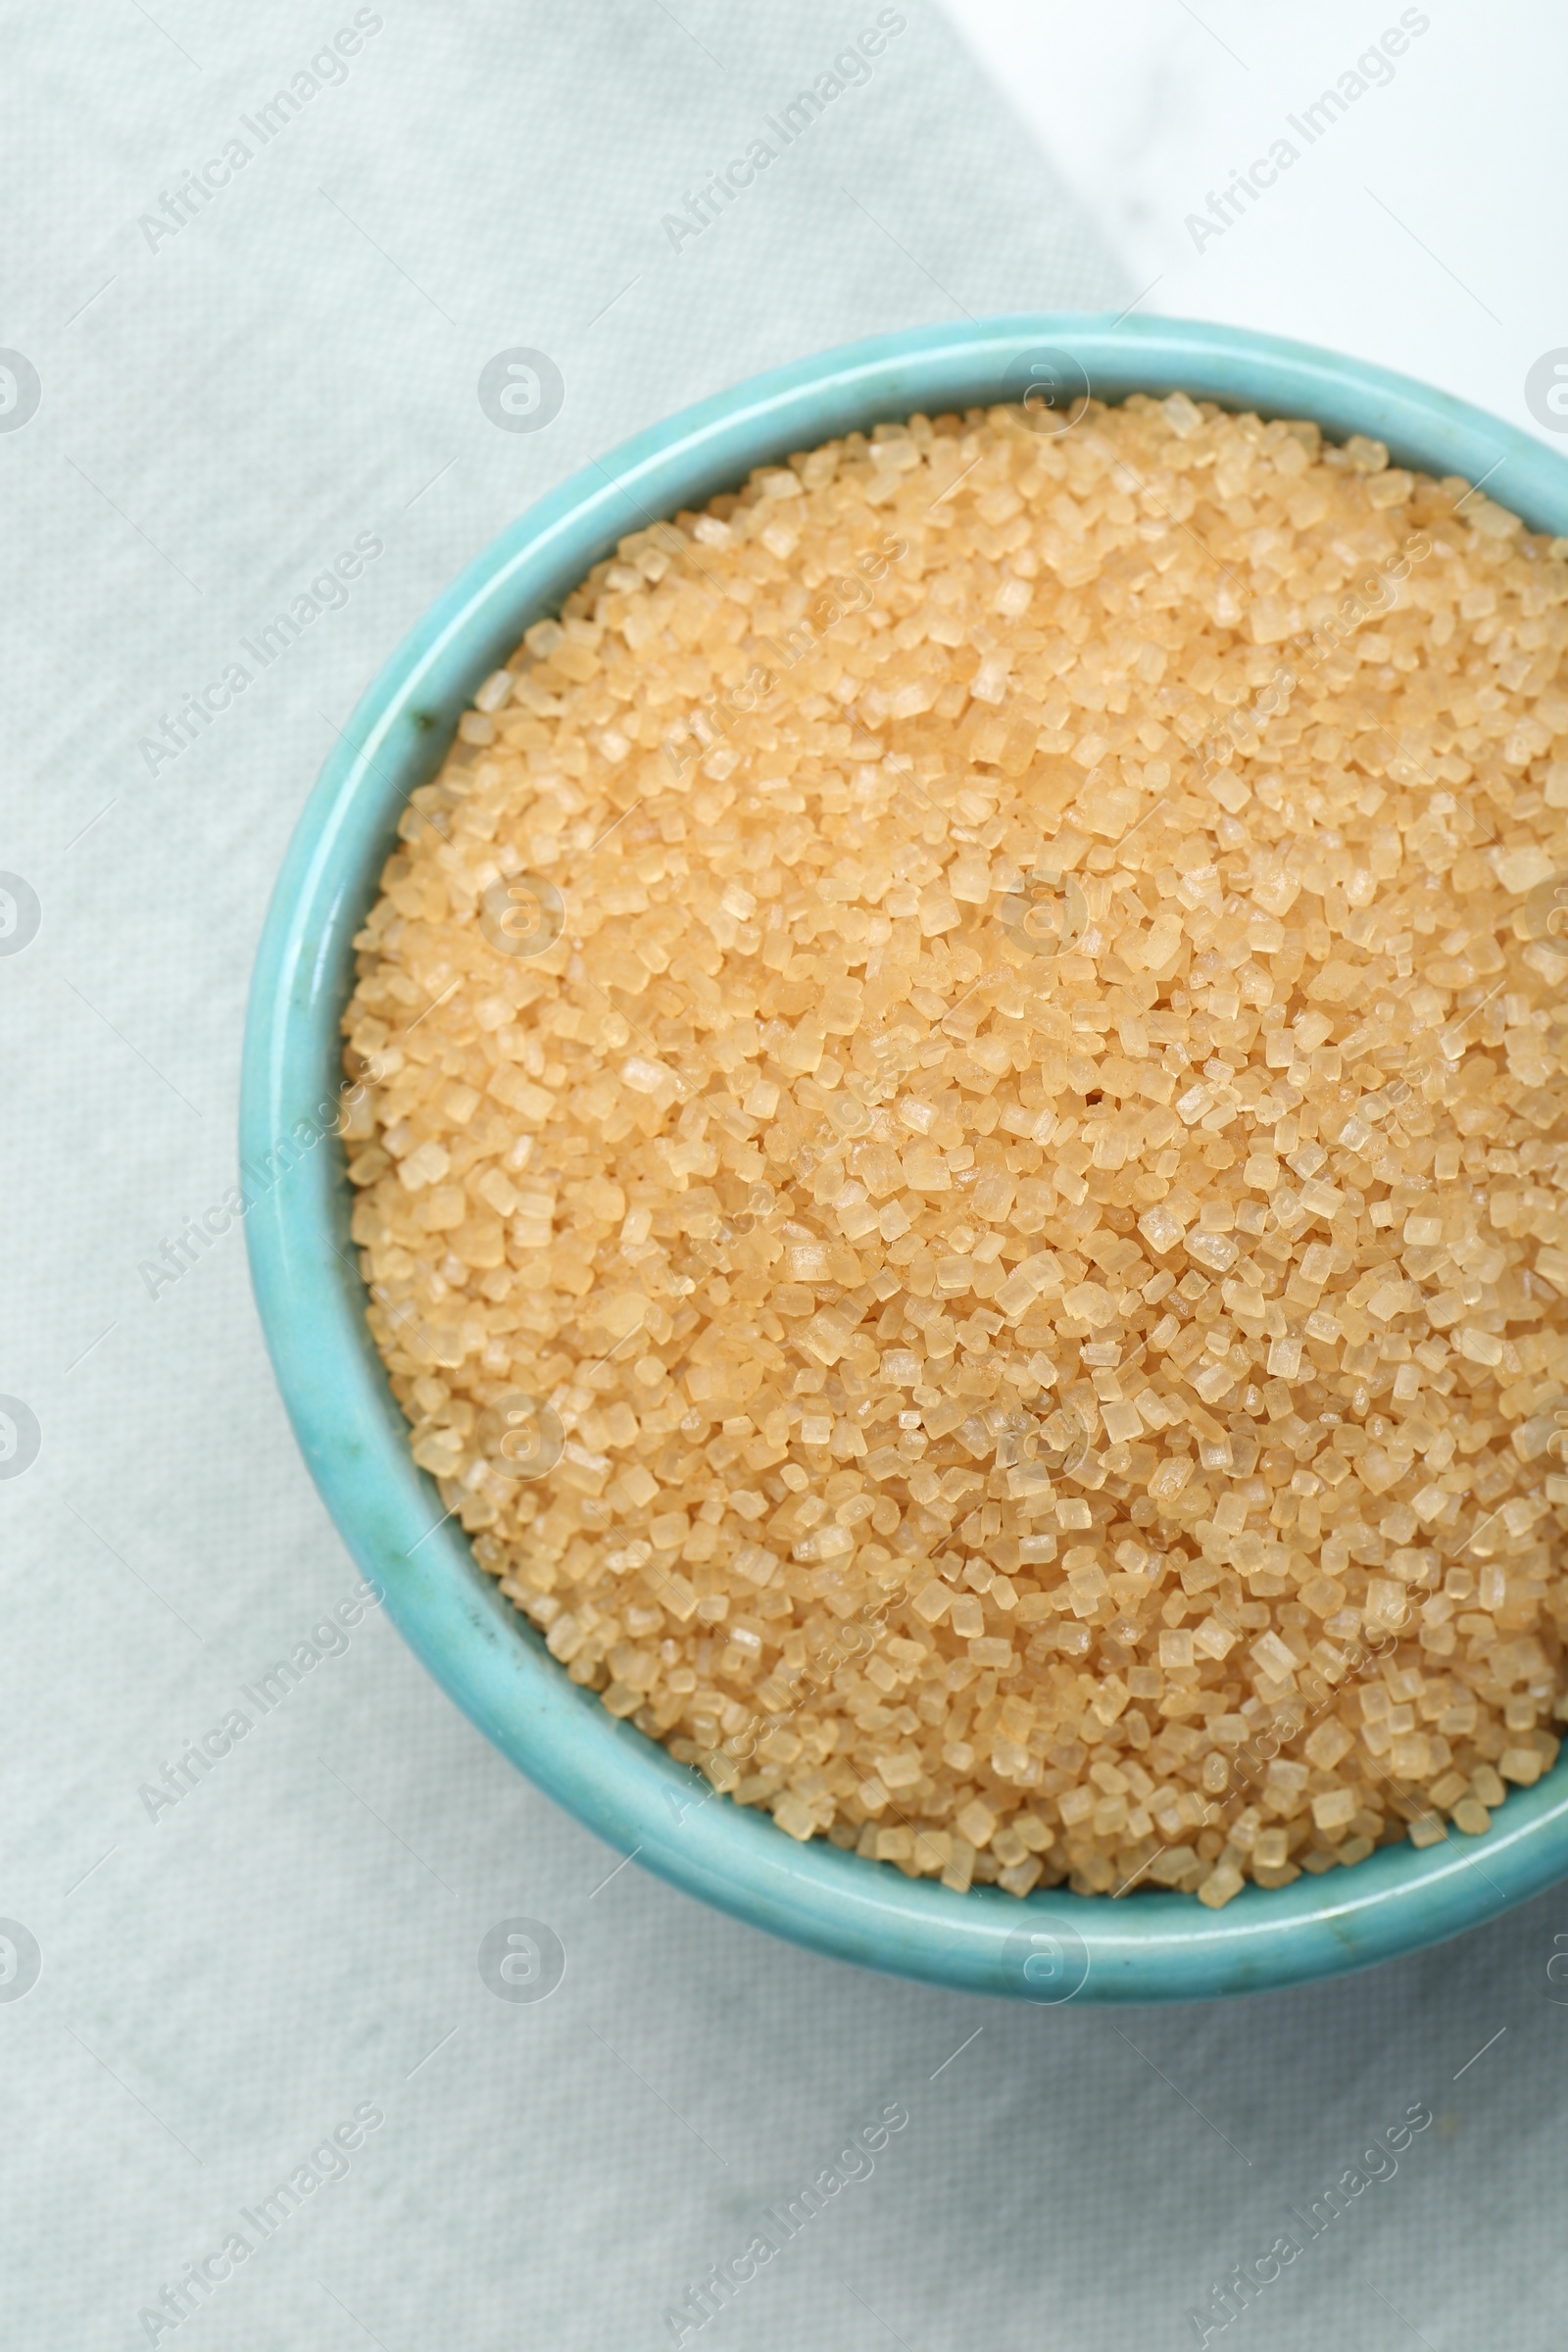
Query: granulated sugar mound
[962,1152]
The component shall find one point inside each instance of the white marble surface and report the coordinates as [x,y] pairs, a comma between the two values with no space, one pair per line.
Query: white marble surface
[223,412]
[1421,228]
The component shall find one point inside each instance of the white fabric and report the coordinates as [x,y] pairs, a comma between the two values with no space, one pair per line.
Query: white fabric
[226,408]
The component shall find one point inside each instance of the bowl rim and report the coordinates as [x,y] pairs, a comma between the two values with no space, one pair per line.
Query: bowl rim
[310,1298]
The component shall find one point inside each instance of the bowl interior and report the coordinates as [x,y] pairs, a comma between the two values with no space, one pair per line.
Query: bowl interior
[1054,1945]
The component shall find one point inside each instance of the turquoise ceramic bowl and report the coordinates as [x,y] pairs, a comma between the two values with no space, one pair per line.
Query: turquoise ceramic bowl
[1149,1946]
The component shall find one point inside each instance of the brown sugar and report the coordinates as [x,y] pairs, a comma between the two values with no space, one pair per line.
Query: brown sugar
[960,1161]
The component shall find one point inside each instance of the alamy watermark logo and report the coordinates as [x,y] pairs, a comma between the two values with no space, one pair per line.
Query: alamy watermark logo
[521,914]
[521,1960]
[1557,1972]
[1047,1960]
[521,390]
[20,1437]
[21,1960]
[1051,384]
[1045,912]
[523,1438]
[20,391]
[1546,390]
[20,915]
